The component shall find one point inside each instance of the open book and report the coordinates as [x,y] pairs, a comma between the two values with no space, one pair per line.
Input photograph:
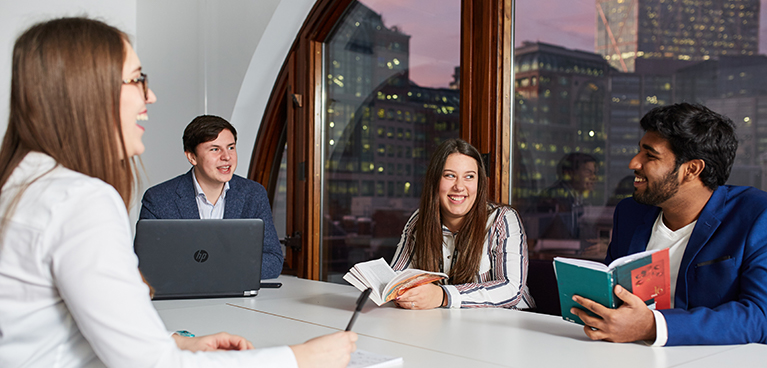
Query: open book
[386,283]
[645,274]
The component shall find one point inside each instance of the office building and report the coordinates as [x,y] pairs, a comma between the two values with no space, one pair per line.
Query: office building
[629,32]
[380,131]
[560,97]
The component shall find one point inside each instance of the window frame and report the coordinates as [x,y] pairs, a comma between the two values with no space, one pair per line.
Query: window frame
[293,112]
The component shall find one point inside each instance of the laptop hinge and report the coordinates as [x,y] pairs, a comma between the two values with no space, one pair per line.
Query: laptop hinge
[250,293]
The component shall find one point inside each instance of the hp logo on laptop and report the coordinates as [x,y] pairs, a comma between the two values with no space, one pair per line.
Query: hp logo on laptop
[201,256]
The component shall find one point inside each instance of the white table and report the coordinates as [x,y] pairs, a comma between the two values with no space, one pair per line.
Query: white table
[303,309]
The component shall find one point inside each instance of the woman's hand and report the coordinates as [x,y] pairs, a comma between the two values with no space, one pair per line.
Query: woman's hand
[332,350]
[428,296]
[219,341]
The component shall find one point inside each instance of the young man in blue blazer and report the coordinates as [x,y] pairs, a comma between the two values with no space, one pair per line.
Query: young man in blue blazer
[716,235]
[210,190]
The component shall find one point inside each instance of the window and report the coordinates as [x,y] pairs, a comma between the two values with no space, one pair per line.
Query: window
[366,32]
[376,90]
[573,154]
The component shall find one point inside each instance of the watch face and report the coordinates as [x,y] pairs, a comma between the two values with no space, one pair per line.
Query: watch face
[185,333]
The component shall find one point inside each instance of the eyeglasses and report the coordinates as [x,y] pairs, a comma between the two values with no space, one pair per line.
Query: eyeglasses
[143,79]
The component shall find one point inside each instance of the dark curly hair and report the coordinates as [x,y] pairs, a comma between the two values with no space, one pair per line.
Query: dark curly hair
[695,132]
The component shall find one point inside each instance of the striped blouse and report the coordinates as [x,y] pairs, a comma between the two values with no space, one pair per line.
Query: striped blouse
[502,276]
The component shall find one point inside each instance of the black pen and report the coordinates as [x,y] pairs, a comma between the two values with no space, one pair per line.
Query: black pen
[360,303]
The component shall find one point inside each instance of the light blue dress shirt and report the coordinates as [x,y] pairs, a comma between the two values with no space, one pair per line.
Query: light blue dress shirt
[209,210]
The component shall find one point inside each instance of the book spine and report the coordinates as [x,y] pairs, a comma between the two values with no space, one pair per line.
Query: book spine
[613,299]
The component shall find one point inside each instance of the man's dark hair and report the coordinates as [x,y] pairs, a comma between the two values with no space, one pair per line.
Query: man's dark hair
[205,128]
[695,132]
[572,162]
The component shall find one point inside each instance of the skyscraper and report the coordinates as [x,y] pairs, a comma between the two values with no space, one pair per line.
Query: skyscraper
[379,133]
[631,31]
[560,97]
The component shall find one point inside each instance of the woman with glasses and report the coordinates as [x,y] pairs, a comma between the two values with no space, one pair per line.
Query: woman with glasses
[481,246]
[71,294]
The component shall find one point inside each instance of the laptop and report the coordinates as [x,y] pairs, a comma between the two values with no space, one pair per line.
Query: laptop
[186,258]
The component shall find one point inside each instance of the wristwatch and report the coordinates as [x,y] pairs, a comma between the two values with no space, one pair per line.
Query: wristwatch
[184,333]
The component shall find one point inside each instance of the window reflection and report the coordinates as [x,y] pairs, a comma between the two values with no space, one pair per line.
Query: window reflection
[280,202]
[383,118]
[580,92]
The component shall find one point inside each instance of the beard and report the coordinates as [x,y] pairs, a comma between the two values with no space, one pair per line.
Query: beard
[657,193]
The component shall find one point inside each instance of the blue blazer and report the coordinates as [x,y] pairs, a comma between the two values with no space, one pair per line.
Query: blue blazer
[721,290]
[175,199]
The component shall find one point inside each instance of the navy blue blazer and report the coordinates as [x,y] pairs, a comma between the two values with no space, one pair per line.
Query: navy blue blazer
[721,290]
[175,199]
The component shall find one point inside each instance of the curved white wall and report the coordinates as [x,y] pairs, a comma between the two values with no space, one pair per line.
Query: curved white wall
[202,56]
[17,16]
[210,57]
[262,72]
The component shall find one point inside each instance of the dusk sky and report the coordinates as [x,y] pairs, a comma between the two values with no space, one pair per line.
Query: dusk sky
[435,29]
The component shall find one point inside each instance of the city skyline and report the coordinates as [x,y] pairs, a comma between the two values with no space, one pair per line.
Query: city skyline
[567,23]
[572,23]
[572,110]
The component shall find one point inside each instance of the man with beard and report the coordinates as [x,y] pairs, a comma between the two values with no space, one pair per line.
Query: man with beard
[716,235]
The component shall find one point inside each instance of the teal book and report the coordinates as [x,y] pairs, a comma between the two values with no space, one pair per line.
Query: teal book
[645,274]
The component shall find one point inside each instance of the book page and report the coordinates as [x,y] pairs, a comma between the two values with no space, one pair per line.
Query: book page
[353,277]
[355,281]
[585,263]
[366,359]
[371,274]
[630,258]
[375,273]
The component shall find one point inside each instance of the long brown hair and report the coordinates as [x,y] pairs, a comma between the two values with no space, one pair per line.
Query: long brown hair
[65,101]
[427,253]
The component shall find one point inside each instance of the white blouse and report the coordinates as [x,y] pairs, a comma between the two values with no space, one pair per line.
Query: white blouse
[70,291]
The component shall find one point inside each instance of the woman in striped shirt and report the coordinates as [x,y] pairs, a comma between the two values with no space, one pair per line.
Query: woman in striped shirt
[481,246]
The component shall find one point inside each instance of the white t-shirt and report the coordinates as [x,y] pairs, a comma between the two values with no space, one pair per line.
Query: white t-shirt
[676,241]
[70,291]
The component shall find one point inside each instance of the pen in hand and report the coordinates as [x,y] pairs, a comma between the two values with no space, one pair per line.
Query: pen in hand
[360,303]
